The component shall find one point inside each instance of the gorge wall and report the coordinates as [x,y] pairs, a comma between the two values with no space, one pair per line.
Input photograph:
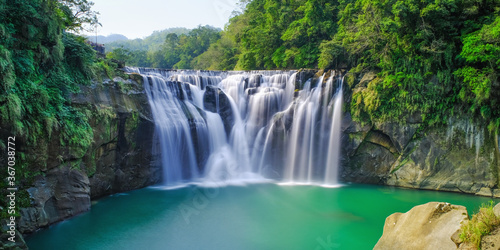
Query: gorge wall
[462,156]
[118,159]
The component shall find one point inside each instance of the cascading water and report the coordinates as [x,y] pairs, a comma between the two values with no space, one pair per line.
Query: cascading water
[234,127]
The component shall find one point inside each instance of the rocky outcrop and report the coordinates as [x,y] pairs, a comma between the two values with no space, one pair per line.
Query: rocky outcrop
[428,226]
[62,193]
[460,157]
[215,100]
[5,243]
[117,160]
[123,126]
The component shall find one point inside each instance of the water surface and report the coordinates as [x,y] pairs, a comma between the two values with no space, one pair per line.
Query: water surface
[263,216]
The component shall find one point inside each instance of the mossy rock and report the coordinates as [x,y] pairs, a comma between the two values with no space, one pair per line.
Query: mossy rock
[136,77]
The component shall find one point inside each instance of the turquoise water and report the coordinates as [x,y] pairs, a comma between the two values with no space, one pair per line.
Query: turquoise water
[263,216]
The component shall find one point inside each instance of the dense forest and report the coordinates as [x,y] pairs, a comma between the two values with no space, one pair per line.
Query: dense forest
[431,58]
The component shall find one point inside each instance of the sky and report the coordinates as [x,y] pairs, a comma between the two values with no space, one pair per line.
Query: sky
[139,18]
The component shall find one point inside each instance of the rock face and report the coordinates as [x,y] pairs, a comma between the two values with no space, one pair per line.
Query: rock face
[460,157]
[215,100]
[491,241]
[62,193]
[123,137]
[117,160]
[428,226]
[5,243]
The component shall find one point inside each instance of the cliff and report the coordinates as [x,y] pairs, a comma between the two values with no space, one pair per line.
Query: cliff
[461,156]
[118,160]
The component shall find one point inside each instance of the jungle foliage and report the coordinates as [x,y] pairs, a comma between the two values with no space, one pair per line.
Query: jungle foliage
[434,59]
[42,62]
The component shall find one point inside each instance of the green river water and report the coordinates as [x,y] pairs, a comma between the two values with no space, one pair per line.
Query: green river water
[259,216]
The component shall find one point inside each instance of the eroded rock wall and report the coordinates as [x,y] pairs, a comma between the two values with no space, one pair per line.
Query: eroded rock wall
[461,156]
[118,160]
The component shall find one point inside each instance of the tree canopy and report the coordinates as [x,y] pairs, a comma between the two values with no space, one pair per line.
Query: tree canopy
[431,58]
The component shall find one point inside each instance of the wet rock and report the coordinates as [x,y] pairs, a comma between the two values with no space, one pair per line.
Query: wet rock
[304,74]
[251,91]
[215,100]
[253,82]
[6,243]
[484,191]
[123,136]
[137,78]
[62,193]
[440,163]
[370,164]
[399,135]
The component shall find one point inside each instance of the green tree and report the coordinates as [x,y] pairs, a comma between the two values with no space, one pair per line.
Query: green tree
[171,51]
[413,48]
[193,44]
[223,54]
[120,54]
[481,88]
[78,14]
[315,22]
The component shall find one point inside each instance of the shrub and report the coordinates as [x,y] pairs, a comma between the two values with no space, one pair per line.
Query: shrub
[480,225]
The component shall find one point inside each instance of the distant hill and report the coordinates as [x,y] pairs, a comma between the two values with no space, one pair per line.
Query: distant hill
[152,42]
[108,39]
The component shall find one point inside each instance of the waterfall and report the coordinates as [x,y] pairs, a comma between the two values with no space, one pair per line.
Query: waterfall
[238,127]
[333,158]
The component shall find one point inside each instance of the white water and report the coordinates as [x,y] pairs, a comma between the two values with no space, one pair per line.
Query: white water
[274,131]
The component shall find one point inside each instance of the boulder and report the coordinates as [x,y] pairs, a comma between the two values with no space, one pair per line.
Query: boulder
[491,241]
[496,210]
[428,226]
